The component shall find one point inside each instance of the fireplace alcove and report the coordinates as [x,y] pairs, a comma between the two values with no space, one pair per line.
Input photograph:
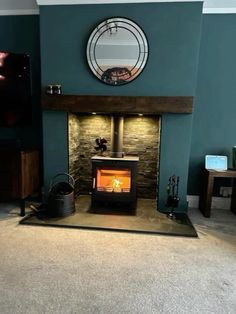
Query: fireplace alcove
[147,219]
[173,110]
[140,144]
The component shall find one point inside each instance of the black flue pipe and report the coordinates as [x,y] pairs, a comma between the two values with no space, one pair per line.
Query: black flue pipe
[117,133]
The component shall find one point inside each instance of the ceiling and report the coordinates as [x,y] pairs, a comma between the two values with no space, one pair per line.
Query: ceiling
[11,7]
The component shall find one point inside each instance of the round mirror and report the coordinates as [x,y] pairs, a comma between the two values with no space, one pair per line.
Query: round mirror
[117,51]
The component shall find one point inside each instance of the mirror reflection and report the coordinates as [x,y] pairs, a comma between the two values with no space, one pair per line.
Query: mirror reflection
[117,51]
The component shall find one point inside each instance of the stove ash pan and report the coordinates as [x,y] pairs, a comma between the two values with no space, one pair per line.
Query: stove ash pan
[114,183]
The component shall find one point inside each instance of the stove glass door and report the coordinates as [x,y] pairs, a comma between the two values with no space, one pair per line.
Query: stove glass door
[113,180]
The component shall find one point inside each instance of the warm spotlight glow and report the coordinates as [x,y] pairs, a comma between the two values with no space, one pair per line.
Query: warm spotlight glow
[94,113]
[140,114]
[2,77]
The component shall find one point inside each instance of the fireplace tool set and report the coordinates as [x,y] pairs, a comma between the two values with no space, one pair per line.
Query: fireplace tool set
[172,195]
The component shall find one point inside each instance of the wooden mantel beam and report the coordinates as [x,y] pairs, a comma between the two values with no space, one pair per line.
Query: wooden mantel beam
[118,104]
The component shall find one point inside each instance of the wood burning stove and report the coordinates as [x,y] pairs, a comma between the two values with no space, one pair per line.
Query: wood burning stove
[115,177]
[114,182]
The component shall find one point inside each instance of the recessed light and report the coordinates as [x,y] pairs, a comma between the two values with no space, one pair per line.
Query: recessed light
[140,114]
[94,113]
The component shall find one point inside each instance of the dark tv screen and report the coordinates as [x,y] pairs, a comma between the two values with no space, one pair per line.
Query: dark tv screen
[15,90]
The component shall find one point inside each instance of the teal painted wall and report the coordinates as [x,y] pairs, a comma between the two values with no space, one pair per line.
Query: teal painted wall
[175,151]
[214,124]
[20,34]
[173,31]
[54,144]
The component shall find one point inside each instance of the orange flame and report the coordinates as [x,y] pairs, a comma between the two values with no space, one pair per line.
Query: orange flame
[110,180]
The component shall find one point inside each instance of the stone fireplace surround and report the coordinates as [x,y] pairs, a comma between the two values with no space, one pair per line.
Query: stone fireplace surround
[141,138]
[176,127]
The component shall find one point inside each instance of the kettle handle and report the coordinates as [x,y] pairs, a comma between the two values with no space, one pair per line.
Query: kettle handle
[71,180]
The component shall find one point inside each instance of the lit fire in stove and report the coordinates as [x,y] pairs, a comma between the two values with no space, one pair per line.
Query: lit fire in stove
[112,180]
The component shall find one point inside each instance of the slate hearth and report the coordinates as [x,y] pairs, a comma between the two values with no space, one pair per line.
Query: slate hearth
[146,219]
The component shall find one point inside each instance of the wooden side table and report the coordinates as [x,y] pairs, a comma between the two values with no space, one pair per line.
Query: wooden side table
[208,178]
[233,199]
[19,175]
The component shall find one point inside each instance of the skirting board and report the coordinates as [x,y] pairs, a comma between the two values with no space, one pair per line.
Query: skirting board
[217,202]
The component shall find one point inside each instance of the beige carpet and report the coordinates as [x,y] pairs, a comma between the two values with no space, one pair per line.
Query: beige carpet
[56,270]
